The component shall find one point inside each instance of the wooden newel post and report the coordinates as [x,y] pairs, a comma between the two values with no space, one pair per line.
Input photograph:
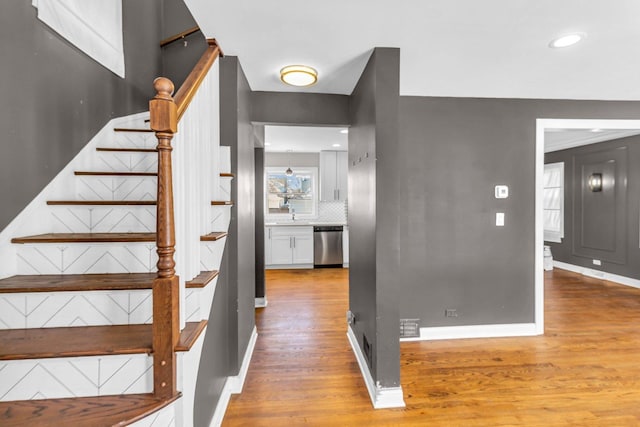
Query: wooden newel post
[166,316]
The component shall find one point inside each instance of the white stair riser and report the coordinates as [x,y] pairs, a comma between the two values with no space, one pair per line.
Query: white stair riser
[86,258]
[166,417]
[103,219]
[223,191]
[125,161]
[211,254]
[224,161]
[63,309]
[134,139]
[198,301]
[75,377]
[116,187]
[220,217]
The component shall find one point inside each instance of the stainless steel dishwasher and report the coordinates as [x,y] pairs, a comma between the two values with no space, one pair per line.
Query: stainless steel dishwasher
[327,246]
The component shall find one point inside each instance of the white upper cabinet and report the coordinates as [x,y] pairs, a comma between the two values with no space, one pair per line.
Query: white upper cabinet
[334,171]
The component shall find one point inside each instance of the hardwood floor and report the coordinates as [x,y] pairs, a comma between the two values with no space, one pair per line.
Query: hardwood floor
[585,370]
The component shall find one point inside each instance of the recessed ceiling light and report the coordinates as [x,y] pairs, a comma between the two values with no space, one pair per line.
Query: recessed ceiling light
[596,130]
[567,40]
[336,145]
[344,131]
[267,144]
[298,75]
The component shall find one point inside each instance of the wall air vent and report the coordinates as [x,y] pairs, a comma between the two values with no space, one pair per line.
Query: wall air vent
[409,328]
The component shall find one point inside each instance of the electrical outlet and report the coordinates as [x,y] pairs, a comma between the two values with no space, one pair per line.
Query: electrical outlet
[597,262]
[450,312]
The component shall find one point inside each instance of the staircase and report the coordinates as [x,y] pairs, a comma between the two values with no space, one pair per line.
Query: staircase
[96,329]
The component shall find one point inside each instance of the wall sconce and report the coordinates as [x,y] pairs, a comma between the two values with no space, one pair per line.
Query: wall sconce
[595,182]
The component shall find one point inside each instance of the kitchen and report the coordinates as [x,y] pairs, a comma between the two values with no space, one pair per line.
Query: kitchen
[305,197]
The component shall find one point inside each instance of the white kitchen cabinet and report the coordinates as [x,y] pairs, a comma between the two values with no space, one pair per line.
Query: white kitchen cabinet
[334,174]
[289,247]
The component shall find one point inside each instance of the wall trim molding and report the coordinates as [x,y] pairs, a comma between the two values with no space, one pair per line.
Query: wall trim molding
[261,302]
[598,274]
[234,384]
[475,331]
[381,397]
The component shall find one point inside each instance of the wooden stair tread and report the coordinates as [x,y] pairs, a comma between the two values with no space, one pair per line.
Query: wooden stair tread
[132,130]
[43,343]
[202,279]
[127,150]
[87,238]
[107,411]
[212,237]
[77,282]
[226,175]
[112,173]
[189,335]
[102,202]
[222,203]
[40,343]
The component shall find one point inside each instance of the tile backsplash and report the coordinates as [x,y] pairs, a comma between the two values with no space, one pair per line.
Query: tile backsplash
[332,212]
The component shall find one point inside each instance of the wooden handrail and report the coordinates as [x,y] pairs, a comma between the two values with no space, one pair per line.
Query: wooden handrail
[179,36]
[185,94]
[165,113]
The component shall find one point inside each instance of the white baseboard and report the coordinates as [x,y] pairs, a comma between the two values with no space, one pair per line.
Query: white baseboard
[234,384]
[598,274]
[381,397]
[288,266]
[261,302]
[475,331]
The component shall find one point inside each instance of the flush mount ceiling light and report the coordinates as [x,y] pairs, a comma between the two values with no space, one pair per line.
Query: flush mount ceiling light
[298,75]
[345,131]
[567,40]
[335,145]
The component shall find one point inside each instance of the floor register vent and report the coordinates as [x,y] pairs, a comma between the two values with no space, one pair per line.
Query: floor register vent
[409,328]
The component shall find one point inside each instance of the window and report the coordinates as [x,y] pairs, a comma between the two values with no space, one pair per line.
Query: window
[297,193]
[553,202]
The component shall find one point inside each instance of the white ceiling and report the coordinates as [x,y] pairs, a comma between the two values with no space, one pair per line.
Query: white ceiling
[561,139]
[488,48]
[303,139]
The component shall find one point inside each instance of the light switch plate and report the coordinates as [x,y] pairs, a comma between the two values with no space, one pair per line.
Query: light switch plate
[500,219]
[502,191]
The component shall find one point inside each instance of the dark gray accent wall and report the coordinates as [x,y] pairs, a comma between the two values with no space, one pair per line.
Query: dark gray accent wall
[453,152]
[58,97]
[236,131]
[602,225]
[374,234]
[314,109]
[177,59]
[214,362]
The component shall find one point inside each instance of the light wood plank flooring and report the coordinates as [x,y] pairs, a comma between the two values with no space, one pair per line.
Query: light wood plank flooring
[585,370]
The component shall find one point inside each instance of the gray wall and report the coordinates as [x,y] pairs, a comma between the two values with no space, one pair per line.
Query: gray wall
[453,152]
[300,108]
[177,59]
[259,204]
[608,228]
[236,131]
[373,218]
[58,97]
[295,159]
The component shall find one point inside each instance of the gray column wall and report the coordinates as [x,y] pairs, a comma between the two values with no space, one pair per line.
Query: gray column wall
[58,97]
[313,109]
[373,221]
[627,228]
[259,204]
[453,152]
[236,131]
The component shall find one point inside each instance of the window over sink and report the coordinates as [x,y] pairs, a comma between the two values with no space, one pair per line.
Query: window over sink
[288,194]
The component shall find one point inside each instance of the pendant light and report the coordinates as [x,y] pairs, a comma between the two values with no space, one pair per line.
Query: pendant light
[289,172]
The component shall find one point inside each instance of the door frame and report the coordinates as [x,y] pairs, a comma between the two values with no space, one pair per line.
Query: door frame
[541,125]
